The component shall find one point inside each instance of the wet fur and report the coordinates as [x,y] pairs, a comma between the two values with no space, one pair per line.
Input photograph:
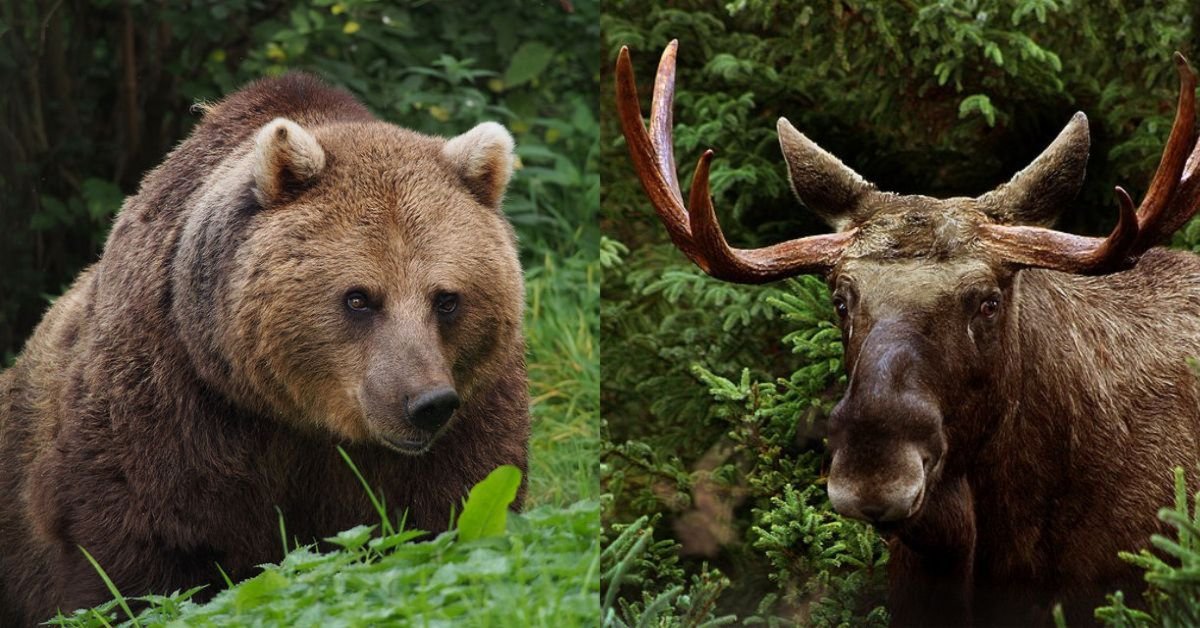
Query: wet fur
[127,426]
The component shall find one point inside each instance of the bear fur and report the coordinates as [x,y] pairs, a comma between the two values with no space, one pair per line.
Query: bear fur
[202,373]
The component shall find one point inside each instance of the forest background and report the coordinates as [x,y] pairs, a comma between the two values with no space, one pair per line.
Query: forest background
[714,395]
[93,93]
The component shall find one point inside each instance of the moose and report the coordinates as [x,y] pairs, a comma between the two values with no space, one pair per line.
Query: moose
[1017,396]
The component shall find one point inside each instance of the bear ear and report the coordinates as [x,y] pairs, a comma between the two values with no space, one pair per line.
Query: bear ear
[483,157]
[285,157]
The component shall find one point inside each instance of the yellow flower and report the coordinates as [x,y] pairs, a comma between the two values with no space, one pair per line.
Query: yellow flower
[350,28]
[441,114]
[337,8]
[496,85]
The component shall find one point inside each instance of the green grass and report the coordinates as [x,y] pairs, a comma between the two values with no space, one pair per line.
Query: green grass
[562,324]
[543,572]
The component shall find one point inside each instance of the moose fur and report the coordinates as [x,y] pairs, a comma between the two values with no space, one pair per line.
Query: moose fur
[1065,456]
[203,372]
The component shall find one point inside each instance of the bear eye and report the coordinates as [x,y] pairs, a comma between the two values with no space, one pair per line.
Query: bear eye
[356,301]
[445,303]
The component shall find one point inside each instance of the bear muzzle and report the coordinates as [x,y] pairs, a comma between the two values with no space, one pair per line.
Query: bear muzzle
[410,422]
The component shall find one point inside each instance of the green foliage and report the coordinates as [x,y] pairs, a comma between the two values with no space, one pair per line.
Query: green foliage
[543,572]
[715,395]
[486,511]
[632,560]
[821,566]
[1173,596]
[562,320]
[842,562]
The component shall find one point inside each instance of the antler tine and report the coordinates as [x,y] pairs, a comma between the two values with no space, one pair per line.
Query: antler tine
[697,233]
[664,195]
[1158,215]
[1186,201]
[778,261]
[1047,248]
[661,120]
[1171,200]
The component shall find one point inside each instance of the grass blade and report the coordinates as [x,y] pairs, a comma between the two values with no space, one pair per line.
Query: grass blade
[112,588]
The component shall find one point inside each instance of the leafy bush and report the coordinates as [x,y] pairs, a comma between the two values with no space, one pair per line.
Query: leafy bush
[714,395]
[633,561]
[541,572]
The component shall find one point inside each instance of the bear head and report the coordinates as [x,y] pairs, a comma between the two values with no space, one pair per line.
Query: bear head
[353,278]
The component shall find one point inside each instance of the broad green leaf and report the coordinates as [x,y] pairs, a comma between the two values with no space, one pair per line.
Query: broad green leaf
[353,538]
[527,63]
[486,511]
[259,588]
[103,198]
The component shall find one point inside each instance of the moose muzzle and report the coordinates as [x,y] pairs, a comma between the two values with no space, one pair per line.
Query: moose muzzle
[892,494]
[886,433]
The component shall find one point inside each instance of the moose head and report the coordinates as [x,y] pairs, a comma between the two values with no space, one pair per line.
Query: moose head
[925,288]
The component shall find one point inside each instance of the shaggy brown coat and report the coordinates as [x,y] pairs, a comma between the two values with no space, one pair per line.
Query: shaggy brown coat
[200,375]
[1059,447]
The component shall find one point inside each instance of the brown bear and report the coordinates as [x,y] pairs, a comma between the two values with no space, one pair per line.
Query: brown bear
[296,275]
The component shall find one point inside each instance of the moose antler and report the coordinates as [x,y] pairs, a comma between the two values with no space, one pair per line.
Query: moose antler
[697,232]
[1172,199]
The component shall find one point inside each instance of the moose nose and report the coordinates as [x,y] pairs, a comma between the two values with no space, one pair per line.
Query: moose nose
[873,512]
[874,506]
[888,490]
[431,409]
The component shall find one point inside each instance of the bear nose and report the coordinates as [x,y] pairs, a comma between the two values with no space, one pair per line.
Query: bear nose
[431,409]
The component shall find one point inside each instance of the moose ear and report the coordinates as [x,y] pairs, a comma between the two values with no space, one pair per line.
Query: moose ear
[1037,194]
[483,157]
[820,180]
[285,156]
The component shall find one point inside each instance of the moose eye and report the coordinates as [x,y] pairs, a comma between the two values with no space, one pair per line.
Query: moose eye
[446,303]
[356,301]
[839,304]
[989,307]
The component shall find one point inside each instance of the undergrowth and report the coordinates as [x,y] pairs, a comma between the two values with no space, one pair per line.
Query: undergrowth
[539,568]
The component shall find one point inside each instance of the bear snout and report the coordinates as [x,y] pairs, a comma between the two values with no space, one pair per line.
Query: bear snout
[408,418]
[430,410]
